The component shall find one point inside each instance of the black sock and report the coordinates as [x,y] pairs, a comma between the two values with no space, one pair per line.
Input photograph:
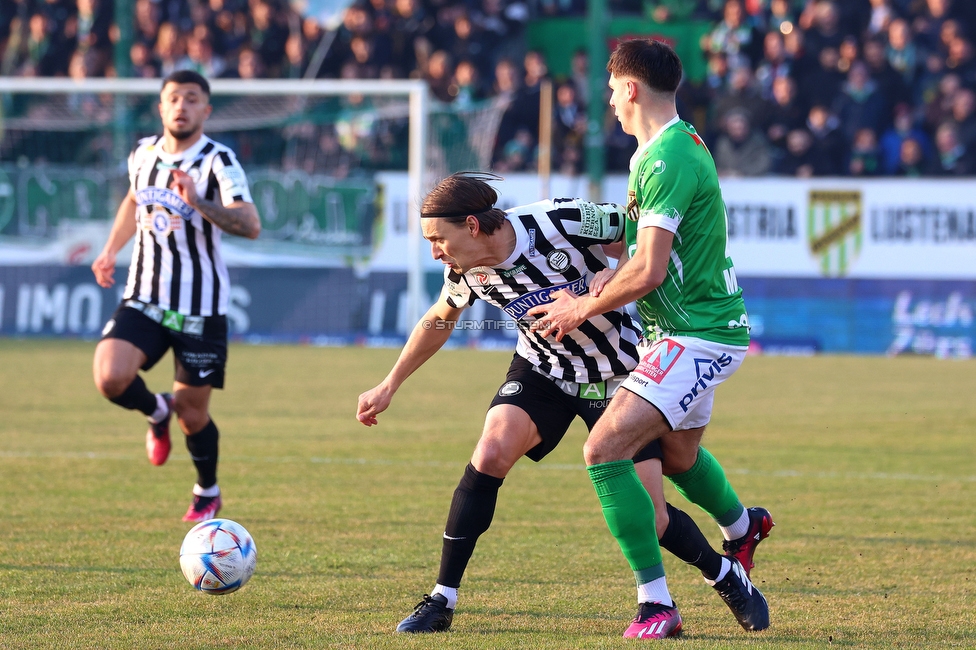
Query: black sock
[203,451]
[472,509]
[136,397]
[685,541]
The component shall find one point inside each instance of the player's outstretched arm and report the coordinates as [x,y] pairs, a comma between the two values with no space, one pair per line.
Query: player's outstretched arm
[239,218]
[428,336]
[122,231]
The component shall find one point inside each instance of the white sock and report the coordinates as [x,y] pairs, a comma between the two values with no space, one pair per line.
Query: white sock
[739,528]
[162,410]
[212,491]
[655,591]
[724,571]
[448,592]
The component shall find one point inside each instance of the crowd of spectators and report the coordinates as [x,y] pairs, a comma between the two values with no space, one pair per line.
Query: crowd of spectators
[830,88]
[793,87]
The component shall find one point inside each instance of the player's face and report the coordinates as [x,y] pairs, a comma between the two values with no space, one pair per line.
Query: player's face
[453,244]
[620,102]
[183,108]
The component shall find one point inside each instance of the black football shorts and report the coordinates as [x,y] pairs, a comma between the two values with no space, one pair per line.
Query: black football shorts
[552,409]
[199,357]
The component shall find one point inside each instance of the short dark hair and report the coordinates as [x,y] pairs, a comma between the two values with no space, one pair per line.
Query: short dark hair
[651,62]
[187,77]
[465,194]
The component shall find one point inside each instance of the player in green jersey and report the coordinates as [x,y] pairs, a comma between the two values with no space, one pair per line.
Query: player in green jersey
[679,271]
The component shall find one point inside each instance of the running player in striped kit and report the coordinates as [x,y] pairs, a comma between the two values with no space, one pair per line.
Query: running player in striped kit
[185,190]
[515,261]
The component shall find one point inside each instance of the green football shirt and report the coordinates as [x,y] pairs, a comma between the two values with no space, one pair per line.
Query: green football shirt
[673,185]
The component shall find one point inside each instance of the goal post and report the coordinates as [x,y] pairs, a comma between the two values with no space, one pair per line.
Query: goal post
[414,91]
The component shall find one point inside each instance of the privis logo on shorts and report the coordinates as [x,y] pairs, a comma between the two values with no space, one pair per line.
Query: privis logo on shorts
[656,363]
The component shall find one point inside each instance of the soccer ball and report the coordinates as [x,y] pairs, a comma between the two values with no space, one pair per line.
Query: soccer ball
[218,556]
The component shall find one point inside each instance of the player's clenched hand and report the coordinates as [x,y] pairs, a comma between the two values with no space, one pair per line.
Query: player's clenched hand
[184,185]
[559,317]
[372,403]
[600,280]
[104,269]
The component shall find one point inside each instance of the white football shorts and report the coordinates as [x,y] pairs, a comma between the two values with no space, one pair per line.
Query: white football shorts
[679,374]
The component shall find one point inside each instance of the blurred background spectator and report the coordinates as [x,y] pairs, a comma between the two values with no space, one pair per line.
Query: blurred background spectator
[912,161]
[740,150]
[829,147]
[735,36]
[785,113]
[809,87]
[798,159]
[902,129]
[569,130]
[954,158]
[865,155]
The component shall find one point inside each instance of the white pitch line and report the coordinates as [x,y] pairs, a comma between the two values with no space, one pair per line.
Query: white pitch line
[558,467]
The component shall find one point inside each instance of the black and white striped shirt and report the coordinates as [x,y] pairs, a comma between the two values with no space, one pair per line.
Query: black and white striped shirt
[557,246]
[176,260]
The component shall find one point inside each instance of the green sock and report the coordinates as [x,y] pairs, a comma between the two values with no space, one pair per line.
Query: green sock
[705,485]
[629,512]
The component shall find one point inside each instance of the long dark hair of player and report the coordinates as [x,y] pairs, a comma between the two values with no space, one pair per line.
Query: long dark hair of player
[465,194]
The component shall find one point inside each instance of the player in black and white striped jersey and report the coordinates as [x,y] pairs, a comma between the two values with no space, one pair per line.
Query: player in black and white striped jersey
[185,271]
[185,191]
[515,260]
[557,246]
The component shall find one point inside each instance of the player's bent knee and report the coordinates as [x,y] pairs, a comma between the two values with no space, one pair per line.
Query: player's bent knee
[661,520]
[596,451]
[492,466]
[605,443]
[672,466]
[115,366]
[111,384]
[191,415]
[680,453]
[677,461]
[192,422]
[494,459]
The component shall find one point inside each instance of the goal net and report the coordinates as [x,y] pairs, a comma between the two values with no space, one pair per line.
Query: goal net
[313,152]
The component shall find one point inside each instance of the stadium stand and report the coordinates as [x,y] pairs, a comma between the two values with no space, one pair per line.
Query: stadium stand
[793,87]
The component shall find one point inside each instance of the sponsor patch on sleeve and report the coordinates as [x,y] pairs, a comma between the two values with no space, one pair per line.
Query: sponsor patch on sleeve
[232,181]
[633,210]
[457,295]
[593,221]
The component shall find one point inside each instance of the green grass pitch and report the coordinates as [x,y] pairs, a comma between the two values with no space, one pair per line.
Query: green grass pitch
[867,465]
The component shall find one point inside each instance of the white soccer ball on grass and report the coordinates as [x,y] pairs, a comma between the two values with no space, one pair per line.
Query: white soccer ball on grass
[218,556]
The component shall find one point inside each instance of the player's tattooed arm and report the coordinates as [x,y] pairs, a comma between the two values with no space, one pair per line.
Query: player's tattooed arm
[238,218]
